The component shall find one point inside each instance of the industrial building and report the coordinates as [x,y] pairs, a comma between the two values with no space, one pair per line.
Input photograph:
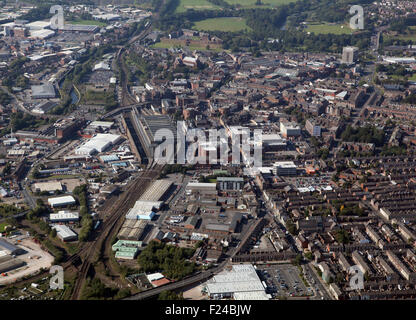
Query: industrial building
[64,216]
[143,210]
[157,191]
[241,282]
[149,131]
[201,188]
[79,28]
[45,91]
[98,144]
[126,249]
[65,233]
[8,263]
[48,186]
[132,230]
[8,248]
[61,201]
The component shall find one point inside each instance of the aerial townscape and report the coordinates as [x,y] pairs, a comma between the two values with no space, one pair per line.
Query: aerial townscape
[207,150]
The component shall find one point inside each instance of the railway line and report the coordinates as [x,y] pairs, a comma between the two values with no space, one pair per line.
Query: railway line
[127,99]
[113,215]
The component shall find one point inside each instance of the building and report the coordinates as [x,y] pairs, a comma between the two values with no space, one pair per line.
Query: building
[190,62]
[157,191]
[48,186]
[143,210]
[8,248]
[132,230]
[239,282]
[349,55]
[125,249]
[45,91]
[65,233]
[312,128]
[274,142]
[201,188]
[8,263]
[230,183]
[98,144]
[289,129]
[284,168]
[44,107]
[151,131]
[79,28]
[64,216]
[61,201]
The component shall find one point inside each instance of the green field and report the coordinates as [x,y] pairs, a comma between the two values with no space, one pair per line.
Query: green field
[196,5]
[325,28]
[88,22]
[252,3]
[231,24]
[2,226]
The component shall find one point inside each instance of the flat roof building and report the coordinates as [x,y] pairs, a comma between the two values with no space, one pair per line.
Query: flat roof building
[98,144]
[61,201]
[284,168]
[9,248]
[65,233]
[45,91]
[241,280]
[64,216]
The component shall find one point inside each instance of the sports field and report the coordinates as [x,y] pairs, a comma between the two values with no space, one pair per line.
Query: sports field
[230,24]
[196,5]
[325,28]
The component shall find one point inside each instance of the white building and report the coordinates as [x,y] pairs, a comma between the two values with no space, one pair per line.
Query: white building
[61,201]
[241,282]
[98,144]
[143,210]
[64,216]
[65,233]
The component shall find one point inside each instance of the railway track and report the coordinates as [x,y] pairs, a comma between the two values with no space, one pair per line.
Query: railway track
[111,217]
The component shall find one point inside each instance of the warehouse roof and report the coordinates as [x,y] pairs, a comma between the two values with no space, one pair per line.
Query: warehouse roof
[241,278]
[98,143]
[61,200]
[156,191]
[45,90]
[48,186]
[8,247]
[64,215]
[64,231]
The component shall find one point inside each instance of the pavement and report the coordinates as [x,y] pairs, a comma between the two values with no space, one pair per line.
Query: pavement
[35,259]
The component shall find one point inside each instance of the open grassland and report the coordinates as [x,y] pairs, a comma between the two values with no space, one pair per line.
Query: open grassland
[231,24]
[325,28]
